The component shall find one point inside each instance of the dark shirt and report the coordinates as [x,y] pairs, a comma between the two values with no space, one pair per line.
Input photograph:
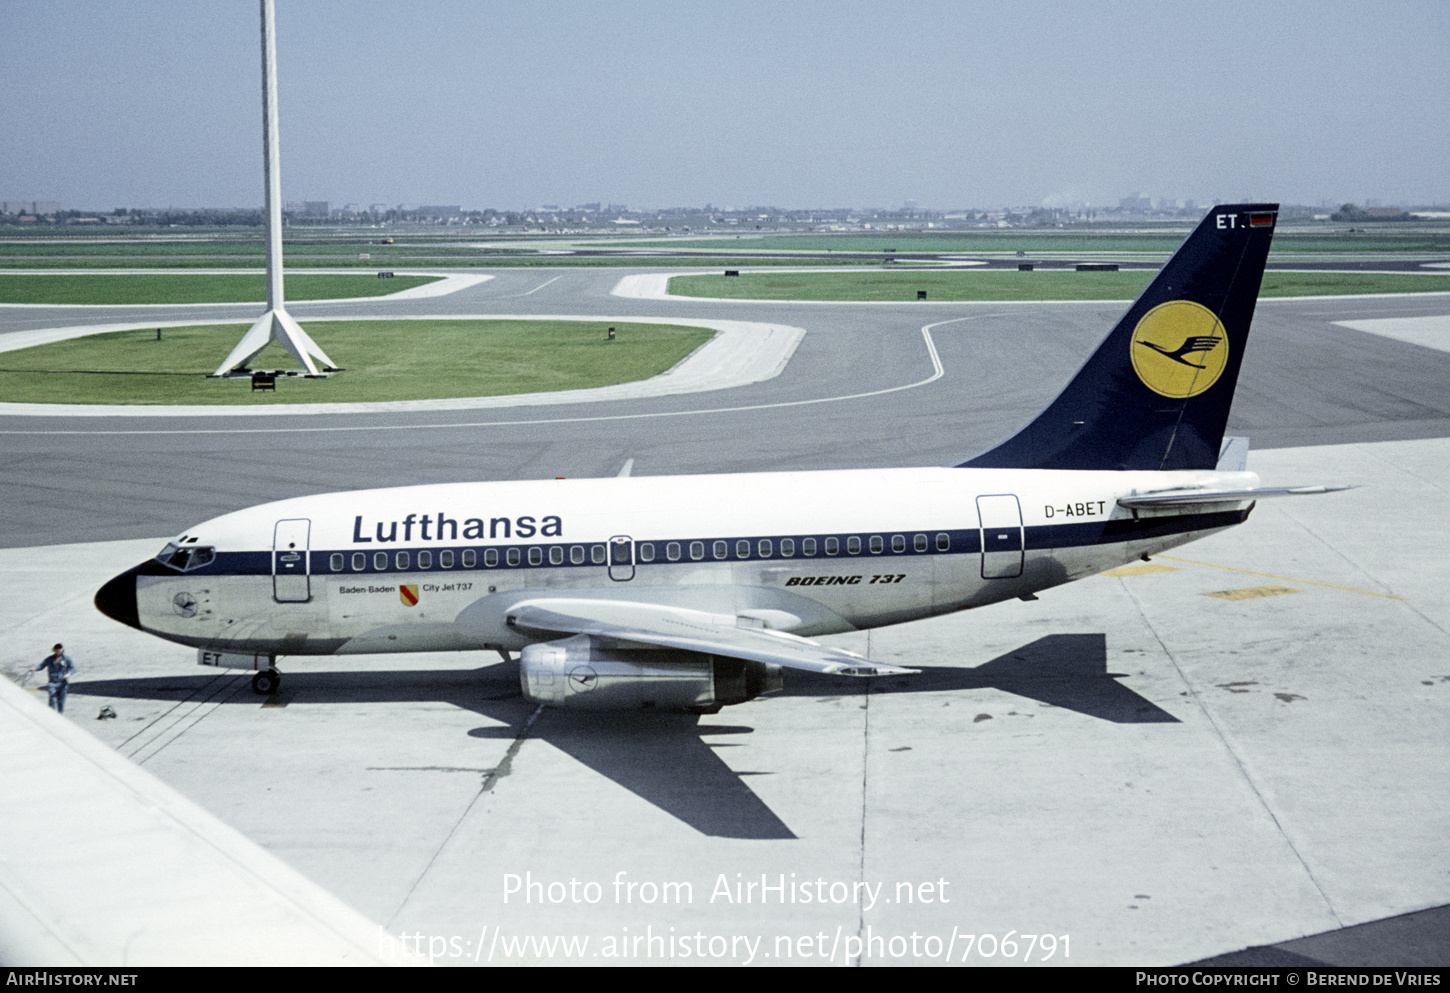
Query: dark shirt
[58,668]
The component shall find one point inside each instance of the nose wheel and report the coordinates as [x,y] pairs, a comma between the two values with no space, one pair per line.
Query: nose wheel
[265,683]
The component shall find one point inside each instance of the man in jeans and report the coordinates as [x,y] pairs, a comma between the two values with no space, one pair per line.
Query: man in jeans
[60,668]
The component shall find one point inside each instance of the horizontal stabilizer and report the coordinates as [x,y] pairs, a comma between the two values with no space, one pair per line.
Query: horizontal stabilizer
[1192,499]
[694,631]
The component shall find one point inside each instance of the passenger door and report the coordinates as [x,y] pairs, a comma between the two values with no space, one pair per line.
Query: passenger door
[1002,536]
[290,567]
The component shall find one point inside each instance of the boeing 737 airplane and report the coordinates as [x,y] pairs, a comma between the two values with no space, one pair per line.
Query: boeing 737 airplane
[692,592]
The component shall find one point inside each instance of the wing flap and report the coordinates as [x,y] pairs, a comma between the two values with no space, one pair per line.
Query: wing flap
[694,631]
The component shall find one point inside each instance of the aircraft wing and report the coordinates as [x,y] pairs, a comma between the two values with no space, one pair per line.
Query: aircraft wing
[1186,499]
[107,866]
[692,630]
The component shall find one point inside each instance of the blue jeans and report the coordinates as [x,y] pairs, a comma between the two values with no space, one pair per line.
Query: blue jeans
[57,696]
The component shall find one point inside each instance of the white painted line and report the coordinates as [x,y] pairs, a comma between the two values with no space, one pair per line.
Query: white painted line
[540,286]
[1429,332]
[740,353]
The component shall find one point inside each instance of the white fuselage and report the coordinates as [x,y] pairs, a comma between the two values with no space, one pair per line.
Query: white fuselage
[430,568]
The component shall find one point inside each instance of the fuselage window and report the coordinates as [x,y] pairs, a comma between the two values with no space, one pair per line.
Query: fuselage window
[536,555]
[646,552]
[787,547]
[425,560]
[833,545]
[853,545]
[943,542]
[877,545]
[576,555]
[596,554]
[808,546]
[742,549]
[470,558]
[335,562]
[919,543]
[898,543]
[556,555]
[402,561]
[380,562]
[721,549]
[514,557]
[445,559]
[697,550]
[765,549]
[672,551]
[490,557]
[359,561]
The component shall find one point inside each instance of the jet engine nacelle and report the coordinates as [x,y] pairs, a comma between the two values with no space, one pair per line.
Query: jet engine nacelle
[580,674]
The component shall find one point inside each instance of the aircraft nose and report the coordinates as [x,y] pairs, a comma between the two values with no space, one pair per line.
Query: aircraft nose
[117,599]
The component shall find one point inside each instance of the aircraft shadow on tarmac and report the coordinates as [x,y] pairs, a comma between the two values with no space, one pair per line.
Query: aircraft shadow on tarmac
[671,760]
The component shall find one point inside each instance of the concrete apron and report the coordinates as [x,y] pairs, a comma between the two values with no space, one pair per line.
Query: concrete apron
[1145,771]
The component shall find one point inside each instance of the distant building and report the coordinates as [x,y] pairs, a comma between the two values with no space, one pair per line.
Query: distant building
[316,208]
[29,207]
[1135,204]
[452,210]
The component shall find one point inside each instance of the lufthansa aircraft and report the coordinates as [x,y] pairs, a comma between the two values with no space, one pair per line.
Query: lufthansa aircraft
[692,592]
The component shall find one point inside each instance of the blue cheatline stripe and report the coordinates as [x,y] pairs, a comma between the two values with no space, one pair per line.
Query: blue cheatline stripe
[960,542]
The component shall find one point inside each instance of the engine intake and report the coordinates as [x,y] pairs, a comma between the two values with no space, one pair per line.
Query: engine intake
[580,674]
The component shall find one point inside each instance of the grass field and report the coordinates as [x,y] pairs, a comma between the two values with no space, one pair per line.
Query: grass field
[242,249]
[999,285]
[1285,242]
[166,288]
[385,360]
[511,261]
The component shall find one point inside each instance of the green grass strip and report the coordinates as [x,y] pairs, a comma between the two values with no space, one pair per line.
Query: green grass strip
[516,261]
[385,360]
[1038,285]
[200,288]
[1041,241]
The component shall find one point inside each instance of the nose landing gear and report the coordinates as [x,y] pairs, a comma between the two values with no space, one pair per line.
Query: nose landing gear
[265,683]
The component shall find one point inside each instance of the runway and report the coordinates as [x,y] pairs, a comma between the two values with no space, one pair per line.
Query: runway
[1161,774]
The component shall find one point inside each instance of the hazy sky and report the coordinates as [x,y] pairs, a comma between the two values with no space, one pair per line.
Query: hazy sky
[731,102]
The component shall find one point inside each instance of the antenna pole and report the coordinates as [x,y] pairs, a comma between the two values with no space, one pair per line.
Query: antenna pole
[271,157]
[276,324]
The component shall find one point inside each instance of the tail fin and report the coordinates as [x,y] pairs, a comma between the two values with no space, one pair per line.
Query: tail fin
[1156,393]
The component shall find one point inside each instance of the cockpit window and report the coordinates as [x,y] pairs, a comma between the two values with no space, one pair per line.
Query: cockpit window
[186,559]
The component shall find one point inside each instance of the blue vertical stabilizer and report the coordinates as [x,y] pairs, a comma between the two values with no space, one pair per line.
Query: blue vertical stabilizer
[1156,393]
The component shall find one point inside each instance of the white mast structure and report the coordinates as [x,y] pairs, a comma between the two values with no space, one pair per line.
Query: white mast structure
[276,324]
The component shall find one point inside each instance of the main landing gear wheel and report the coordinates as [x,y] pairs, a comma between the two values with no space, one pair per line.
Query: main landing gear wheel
[266,682]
